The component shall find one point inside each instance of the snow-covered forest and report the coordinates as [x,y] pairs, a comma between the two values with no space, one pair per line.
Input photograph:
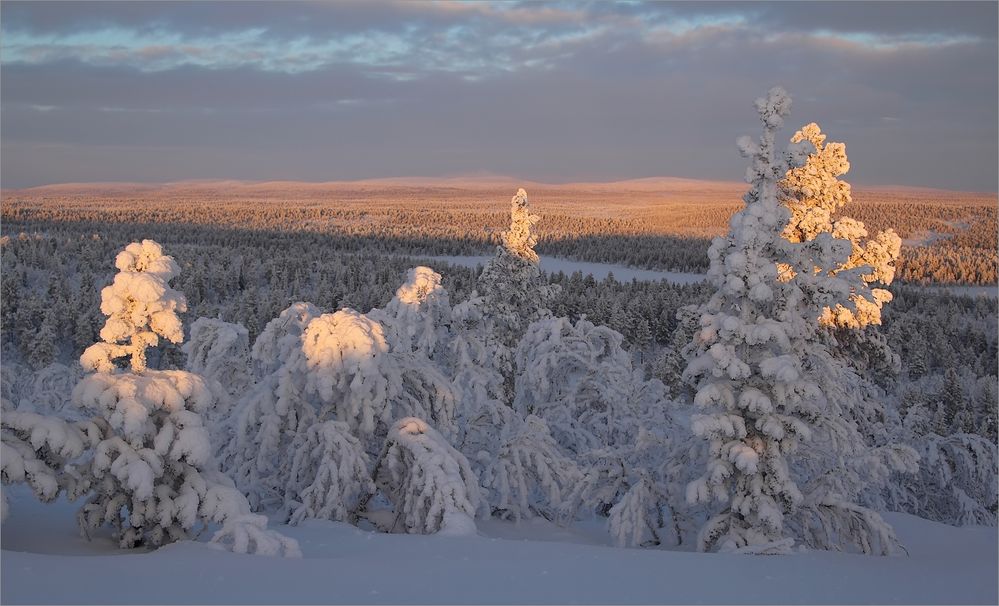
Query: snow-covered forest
[178,382]
[947,237]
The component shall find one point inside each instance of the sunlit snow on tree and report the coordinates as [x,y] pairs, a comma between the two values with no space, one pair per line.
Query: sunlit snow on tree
[814,193]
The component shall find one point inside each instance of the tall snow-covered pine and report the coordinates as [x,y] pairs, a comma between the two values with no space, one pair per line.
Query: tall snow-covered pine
[746,358]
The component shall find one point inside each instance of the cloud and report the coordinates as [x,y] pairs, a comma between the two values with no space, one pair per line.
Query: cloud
[470,37]
[551,92]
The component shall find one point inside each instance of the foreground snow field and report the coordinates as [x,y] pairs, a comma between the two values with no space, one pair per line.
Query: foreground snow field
[44,560]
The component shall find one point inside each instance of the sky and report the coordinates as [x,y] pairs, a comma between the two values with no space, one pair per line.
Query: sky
[553,92]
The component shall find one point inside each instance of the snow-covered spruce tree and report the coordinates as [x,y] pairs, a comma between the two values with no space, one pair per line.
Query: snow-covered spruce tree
[605,415]
[277,433]
[683,463]
[418,317]
[957,482]
[356,379]
[630,483]
[220,353]
[748,362]
[140,306]
[637,517]
[511,291]
[521,468]
[280,337]
[303,438]
[15,380]
[471,364]
[431,485]
[361,382]
[814,193]
[848,462]
[42,349]
[36,449]
[266,418]
[151,473]
[328,477]
[579,378]
[957,478]
[50,391]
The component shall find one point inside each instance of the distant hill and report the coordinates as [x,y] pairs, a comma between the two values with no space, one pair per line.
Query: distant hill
[477,181]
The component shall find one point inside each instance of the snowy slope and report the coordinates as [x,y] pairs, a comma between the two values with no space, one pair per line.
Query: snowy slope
[44,561]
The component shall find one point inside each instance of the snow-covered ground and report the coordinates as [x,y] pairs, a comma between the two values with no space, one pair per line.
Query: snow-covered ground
[45,561]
